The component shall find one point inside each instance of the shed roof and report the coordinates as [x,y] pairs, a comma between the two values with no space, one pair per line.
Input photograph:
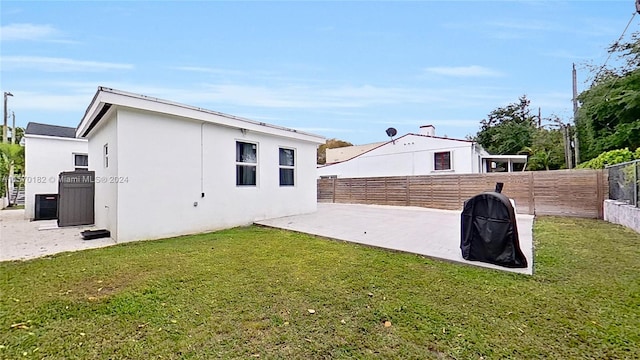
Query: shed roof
[34,128]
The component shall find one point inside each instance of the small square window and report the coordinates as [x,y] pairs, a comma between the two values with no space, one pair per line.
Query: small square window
[442,161]
[81,161]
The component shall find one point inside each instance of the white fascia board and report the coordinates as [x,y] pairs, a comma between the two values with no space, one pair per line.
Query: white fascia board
[119,98]
[514,158]
[47,137]
[505,157]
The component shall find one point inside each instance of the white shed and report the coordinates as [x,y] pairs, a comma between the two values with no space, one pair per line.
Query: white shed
[49,150]
[165,169]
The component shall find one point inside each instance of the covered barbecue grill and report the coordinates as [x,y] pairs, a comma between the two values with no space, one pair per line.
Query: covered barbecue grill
[489,232]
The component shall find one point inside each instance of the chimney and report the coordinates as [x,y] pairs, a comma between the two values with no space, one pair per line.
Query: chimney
[428,130]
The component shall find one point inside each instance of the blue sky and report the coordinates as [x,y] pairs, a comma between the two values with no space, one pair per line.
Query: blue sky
[345,70]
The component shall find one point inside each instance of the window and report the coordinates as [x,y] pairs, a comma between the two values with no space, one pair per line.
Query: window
[442,161]
[287,167]
[81,161]
[246,163]
[105,153]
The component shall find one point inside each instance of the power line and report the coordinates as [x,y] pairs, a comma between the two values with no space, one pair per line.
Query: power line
[617,43]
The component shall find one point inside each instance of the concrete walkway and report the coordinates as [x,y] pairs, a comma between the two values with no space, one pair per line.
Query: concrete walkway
[430,232]
[21,239]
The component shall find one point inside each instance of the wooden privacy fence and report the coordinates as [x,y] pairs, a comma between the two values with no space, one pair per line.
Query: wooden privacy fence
[579,193]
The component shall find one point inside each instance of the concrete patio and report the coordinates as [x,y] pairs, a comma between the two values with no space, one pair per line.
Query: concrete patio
[430,232]
[21,239]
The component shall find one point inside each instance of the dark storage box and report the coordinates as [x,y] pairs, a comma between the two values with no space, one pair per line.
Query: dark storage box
[46,207]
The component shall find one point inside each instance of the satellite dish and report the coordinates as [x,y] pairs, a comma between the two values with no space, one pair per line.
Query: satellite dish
[391,132]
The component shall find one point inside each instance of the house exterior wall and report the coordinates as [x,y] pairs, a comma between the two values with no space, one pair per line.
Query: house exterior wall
[166,162]
[45,158]
[409,155]
[106,189]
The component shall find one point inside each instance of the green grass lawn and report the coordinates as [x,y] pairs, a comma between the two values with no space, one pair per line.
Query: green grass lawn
[247,292]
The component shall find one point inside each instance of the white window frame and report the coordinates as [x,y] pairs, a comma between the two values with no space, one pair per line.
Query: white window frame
[288,167]
[247,164]
[450,169]
[80,167]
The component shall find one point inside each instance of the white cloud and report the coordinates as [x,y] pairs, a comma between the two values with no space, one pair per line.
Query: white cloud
[271,76]
[334,98]
[301,96]
[565,54]
[530,25]
[326,130]
[464,71]
[207,70]
[26,100]
[463,123]
[52,64]
[27,32]
[352,102]
[559,101]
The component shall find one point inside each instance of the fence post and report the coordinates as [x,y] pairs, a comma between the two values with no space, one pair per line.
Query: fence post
[532,197]
[334,190]
[600,193]
[636,184]
[459,192]
[386,192]
[408,192]
[366,191]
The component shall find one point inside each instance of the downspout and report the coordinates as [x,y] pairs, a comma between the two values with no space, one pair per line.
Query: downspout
[202,160]
[473,145]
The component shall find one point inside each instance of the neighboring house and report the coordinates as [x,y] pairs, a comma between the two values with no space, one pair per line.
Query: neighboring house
[49,150]
[348,152]
[421,154]
[165,169]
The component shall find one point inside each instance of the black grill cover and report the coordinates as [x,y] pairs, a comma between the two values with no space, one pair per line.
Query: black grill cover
[489,232]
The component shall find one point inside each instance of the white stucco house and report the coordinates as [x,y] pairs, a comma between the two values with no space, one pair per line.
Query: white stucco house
[340,154]
[49,150]
[423,153]
[165,169]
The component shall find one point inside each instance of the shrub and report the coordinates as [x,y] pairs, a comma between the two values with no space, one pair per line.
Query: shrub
[610,158]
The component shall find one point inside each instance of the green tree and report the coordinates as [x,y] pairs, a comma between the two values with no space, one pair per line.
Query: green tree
[509,129]
[19,134]
[609,114]
[546,151]
[330,144]
[11,161]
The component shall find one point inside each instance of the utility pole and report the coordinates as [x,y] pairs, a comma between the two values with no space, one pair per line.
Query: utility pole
[6,114]
[564,140]
[13,128]
[539,118]
[575,113]
[568,154]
